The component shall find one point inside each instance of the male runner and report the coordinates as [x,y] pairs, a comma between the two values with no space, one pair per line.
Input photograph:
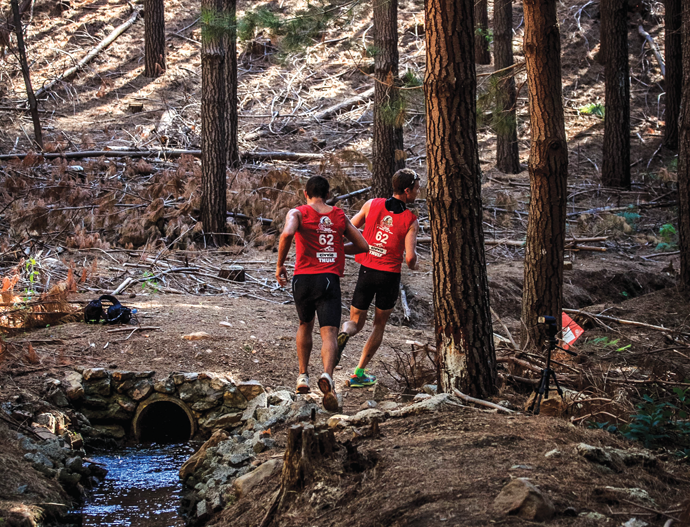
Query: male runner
[320,263]
[389,229]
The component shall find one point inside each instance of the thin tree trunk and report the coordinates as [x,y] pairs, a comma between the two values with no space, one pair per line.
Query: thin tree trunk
[387,147]
[213,143]
[548,170]
[507,156]
[233,151]
[616,164]
[482,55]
[154,38]
[464,333]
[33,105]
[674,72]
[684,157]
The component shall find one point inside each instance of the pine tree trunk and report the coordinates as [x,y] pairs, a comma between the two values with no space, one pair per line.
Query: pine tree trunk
[464,333]
[507,156]
[213,143]
[387,147]
[684,157]
[674,72]
[616,164]
[481,40]
[548,170]
[154,38]
[233,151]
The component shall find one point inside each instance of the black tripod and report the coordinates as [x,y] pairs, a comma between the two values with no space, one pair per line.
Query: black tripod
[547,373]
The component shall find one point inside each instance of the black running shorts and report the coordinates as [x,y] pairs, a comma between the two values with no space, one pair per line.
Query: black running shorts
[317,294]
[382,284]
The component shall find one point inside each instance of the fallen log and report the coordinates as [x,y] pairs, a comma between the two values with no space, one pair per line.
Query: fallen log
[650,205]
[347,104]
[91,54]
[336,199]
[571,243]
[247,156]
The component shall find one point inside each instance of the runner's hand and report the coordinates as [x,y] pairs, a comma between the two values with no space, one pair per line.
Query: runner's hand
[281,275]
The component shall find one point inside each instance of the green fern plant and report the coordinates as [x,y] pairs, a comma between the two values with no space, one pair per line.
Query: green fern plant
[594,108]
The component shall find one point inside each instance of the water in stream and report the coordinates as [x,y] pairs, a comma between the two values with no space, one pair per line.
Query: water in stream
[142,488]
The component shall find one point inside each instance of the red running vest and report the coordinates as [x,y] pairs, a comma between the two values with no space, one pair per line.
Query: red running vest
[385,233]
[320,242]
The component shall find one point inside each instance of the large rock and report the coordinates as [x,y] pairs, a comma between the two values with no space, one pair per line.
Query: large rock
[73,385]
[244,484]
[523,499]
[193,463]
[112,431]
[47,421]
[260,401]
[93,374]
[122,376]
[250,389]
[141,389]
[126,403]
[234,398]
[555,405]
[222,418]
[164,385]
[97,387]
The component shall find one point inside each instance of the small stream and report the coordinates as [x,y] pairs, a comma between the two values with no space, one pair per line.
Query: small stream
[142,488]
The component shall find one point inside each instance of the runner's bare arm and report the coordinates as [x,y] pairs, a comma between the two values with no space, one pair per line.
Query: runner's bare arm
[292,223]
[361,217]
[359,244]
[411,246]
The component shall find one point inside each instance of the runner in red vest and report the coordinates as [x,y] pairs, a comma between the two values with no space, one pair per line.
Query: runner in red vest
[319,229]
[390,229]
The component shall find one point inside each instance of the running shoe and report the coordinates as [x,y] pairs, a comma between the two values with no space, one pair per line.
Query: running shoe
[362,381]
[330,401]
[302,383]
[342,342]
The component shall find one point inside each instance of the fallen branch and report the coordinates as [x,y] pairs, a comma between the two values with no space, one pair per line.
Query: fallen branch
[570,244]
[169,153]
[336,199]
[344,105]
[89,56]
[650,205]
[505,328]
[647,381]
[481,402]
[654,48]
[623,321]
[135,328]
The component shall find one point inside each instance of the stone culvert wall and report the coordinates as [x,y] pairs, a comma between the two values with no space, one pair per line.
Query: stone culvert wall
[117,402]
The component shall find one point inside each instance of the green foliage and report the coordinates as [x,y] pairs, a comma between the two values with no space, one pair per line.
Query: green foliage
[216,24]
[32,274]
[594,108]
[658,424]
[488,34]
[150,282]
[371,51]
[393,111]
[667,233]
[410,79]
[631,218]
[605,342]
[297,32]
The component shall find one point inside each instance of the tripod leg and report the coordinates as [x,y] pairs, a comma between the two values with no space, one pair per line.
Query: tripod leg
[543,386]
[555,381]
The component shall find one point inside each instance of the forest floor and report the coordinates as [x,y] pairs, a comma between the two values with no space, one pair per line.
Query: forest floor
[99,222]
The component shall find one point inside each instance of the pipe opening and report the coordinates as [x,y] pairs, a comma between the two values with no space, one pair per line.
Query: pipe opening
[163,422]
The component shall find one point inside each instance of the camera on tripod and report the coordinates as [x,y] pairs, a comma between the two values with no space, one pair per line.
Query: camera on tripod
[547,374]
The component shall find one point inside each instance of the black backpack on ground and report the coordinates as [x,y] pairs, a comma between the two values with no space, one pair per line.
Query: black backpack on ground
[115,314]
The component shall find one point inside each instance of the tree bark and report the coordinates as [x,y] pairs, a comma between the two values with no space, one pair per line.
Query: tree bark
[548,170]
[684,158]
[33,105]
[231,123]
[213,142]
[482,55]
[616,164]
[507,156]
[154,38]
[387,147]
[464,332]
[674,72]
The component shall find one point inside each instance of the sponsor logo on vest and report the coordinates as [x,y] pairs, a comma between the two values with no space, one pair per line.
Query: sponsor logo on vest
[327,257]
[385,224]
[325,225]
[375,250]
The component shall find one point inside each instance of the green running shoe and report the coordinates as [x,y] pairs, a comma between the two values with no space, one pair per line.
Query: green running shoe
[362,381]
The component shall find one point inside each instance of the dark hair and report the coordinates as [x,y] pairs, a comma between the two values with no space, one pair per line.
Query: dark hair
[318,187]
[403,179]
